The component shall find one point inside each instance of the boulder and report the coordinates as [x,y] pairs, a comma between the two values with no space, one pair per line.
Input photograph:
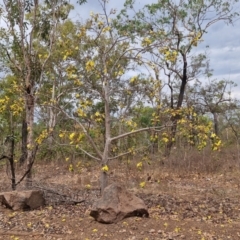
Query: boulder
[116,204]
[22,200]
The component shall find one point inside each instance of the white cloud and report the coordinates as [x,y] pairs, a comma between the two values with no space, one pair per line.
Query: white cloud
[224,51]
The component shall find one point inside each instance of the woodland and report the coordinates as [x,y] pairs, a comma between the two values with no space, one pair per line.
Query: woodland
[123,92]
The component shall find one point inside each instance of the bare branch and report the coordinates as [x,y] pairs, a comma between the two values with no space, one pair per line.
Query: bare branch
[139,130]
[126,153]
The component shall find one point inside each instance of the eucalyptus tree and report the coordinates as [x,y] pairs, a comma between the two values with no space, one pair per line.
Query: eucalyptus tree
[172,30]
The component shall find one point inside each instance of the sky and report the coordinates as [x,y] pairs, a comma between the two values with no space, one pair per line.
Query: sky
[223,41]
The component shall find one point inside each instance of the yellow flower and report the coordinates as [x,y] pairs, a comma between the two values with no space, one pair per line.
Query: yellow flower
[120,73]
[213,135]
[90,65]
[139,165]
[142,184]
[106,29]
[165,139]
[133,79]
[218,143]
[97,114]
[105,168]
[71,136]
[100,24]
[70,169]
[29,224]
[177,229]
[61,135]
[146,42]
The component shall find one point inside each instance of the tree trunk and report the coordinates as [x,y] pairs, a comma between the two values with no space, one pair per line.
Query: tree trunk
[10,145]
[170,142]
[104,176]
[216,127]
[105,156]
[24,141]
[51,124]
[30,138]
[175,118]
[11,155]
[103,181]
[11,160]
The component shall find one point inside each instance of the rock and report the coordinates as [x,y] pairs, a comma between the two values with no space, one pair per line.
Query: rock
[116,204]
[22,200]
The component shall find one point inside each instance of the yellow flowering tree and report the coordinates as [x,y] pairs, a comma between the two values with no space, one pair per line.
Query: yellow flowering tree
[213,97]
[170,31]
[26,46]
[193,130]
[11,110]
[107,94]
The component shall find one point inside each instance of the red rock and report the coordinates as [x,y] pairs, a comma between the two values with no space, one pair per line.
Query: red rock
[116,204]
[22,200]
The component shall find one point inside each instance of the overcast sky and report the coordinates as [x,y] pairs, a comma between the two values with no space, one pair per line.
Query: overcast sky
[223,41]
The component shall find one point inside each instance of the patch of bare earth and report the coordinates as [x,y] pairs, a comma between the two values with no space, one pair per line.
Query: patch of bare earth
[181,207]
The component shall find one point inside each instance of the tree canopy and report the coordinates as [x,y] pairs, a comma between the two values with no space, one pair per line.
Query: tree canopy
[113,85]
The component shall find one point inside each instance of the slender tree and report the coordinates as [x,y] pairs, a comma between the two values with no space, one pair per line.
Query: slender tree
[106,94]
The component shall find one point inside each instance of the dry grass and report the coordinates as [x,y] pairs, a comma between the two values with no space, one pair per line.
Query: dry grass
[186,193]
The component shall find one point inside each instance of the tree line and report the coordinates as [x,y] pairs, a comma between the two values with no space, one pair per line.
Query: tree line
[113,85]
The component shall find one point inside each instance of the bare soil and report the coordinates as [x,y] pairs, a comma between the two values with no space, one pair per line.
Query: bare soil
[181,206]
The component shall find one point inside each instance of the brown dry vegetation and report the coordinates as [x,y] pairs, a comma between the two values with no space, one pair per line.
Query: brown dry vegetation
[190,196]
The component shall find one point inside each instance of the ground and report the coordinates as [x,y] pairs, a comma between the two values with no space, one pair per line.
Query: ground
[181,206]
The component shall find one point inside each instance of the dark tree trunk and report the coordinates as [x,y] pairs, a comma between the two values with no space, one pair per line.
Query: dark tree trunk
[11,161]
[175,118]
[24,141]
[11,155]
[216,127]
